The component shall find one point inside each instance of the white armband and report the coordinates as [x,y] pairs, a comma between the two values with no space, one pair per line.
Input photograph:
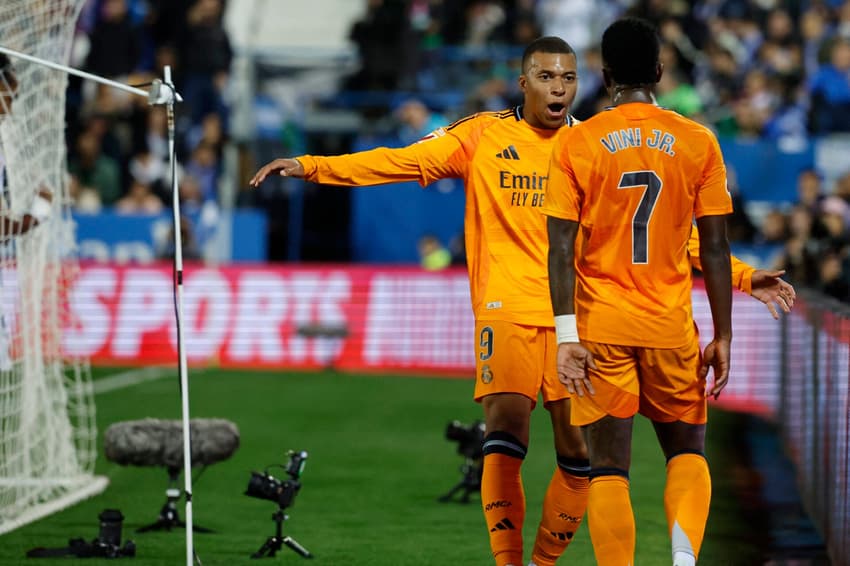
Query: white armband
[565,328]
[41,208]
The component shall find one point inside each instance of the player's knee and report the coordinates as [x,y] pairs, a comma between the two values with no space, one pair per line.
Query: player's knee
[607,471]
[511,418]
[576,466]
[569,442]
[695,452]
[500,442]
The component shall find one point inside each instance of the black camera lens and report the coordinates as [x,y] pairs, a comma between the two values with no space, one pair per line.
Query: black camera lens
[110,527]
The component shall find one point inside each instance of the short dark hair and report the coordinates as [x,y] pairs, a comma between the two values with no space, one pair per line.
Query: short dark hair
[5,64]
[630,48]
[545,44]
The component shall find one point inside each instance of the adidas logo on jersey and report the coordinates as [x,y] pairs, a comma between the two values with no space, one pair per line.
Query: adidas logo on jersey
[508,153]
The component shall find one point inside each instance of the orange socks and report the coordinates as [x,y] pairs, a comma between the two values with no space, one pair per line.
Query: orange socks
[610,517]
[503,497]
[687,496]
[563,509]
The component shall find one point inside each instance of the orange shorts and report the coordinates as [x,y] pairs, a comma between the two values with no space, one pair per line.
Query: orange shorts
[512,358]
[661,384]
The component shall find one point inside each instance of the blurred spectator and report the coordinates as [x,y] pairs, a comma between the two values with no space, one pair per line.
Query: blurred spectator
[834,216]
[93,169]
[432,253]
[834,279]
[416,121]
[140,199]
[379,37]
[813,31]
[209,131]
[203,166]
[842,187]
[115,42]
[149,170]
[485,21]
[809,190]
[799,258]
[84,200]
[774,228]
[191,195]
[676,94]
[829,89]
[204,54]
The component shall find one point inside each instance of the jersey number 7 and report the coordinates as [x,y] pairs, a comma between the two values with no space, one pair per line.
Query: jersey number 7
[651,184]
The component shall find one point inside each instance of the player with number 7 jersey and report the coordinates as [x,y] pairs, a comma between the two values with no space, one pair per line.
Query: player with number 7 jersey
[652,171]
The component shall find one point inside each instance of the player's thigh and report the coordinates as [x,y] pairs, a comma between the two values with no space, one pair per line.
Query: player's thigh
[670,386]
[615,381]
[509,358]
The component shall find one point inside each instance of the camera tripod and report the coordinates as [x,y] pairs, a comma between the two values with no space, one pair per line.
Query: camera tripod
[276,542]
[470,483]
[168,517]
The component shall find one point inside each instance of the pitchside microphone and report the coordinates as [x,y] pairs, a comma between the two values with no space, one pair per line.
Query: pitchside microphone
[156,442]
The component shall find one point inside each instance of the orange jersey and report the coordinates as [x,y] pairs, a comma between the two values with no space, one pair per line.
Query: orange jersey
[503,162]
[634,177]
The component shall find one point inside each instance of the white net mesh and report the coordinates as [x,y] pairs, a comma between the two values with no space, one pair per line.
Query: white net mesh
[47,428]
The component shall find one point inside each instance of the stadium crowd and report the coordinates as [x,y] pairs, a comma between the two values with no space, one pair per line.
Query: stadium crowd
[765,69]
[118,146]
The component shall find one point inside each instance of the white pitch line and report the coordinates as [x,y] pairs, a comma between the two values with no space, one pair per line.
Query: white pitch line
[131,377]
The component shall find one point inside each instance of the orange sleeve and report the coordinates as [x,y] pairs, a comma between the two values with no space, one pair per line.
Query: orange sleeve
[562,199]
[742,273]
[713,198]
[434,157]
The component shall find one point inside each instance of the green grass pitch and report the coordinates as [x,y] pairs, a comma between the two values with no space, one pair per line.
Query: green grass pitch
[378,460]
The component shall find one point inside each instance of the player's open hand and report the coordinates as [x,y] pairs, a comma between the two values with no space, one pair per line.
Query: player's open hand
[285,167]
[573,362]
[716,356]
[769,288]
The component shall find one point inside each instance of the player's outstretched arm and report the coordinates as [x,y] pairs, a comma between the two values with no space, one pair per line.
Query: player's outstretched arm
[284,166]
[766,286]
[770,288]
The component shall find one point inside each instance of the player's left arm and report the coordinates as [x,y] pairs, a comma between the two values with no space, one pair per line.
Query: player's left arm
[765,285]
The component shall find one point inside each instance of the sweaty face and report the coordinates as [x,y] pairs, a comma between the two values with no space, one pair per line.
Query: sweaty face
[549,84]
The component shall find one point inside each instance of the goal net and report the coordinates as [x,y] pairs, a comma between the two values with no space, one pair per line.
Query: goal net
[47,427]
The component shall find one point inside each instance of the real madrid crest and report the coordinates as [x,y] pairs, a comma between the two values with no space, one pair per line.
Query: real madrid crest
[486,374]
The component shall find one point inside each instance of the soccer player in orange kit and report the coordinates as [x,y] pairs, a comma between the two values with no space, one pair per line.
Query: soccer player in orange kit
[625,187]
[503,158]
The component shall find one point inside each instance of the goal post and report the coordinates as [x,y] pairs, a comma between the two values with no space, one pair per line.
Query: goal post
[47,413]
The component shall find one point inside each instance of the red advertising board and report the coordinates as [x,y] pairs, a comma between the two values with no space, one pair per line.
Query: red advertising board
[263,316]
[349,317]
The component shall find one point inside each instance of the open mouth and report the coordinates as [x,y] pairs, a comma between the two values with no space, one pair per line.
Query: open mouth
[556,108]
